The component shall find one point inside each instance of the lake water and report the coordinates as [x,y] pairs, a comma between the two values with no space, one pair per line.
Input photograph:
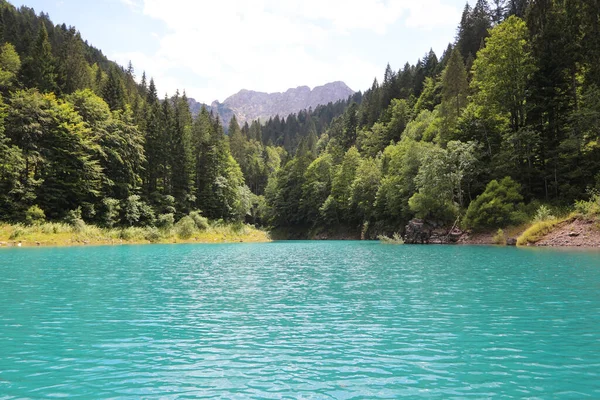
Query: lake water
[299,320]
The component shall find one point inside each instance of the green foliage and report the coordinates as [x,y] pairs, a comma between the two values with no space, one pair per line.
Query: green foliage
[40,65]
[425,127]
[497,206]
[395,239]
[589,208]
[84,134]
[499,238]
[201,222]
[454,86]
[152,235]
[109,215]
[363,190]
[185,227]
[542,214]
[502,70]
[34,215]
[10,64]
[137,212]
[74,219]
[56,147]
[165,222]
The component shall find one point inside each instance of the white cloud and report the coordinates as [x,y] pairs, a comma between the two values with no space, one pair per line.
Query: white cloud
[133,4]
[270,45]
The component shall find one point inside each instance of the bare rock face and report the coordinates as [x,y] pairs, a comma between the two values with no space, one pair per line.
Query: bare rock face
[248,105]
[427,232]
[417,232]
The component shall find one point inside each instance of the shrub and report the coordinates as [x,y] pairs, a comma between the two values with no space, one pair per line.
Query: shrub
[497,206]
[74,219]
[589,208]
[152,234]
[165,221]
[395,239]
[185,227]
[79,226]
[543,214]
[35,215]
[16,233]
[200,221]
[110,212]
[73,216]
[132,233]
[499,238]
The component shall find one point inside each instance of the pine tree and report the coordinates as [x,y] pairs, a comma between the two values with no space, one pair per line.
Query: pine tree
[113,90]
[181,157]
[454,86]
[74,71]
[39,69]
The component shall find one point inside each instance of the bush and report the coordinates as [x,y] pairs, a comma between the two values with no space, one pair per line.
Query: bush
[498,206]
[110,212]
[79,226]
[152,234]
[35,215]
[200,221]
[185,227]
[74,219]
[395,239]
[590,208]
[543,214]
[16,233]
[165,221]
[499,238]
[132,233]
[73,216]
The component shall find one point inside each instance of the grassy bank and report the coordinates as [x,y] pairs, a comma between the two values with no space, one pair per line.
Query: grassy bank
[538,230]
[62,234]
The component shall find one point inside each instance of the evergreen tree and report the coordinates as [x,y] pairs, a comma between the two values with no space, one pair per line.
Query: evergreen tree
[74,71]
[181,157]
[40,66]
[113,90]
[454,87]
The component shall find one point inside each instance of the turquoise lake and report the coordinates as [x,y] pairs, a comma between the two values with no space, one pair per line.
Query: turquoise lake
[316,320]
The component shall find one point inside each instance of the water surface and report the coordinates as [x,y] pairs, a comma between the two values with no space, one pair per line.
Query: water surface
[299,320]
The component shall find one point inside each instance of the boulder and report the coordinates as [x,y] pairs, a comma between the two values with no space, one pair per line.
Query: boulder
[417,232]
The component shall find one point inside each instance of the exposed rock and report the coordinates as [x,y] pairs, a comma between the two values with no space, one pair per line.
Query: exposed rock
[249,105]
[427,232]
[417,232]
[511,242]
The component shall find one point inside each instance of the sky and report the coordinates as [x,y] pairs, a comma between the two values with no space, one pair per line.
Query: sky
[213,49]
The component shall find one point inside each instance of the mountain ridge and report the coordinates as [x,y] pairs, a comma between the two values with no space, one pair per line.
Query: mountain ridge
[249,105]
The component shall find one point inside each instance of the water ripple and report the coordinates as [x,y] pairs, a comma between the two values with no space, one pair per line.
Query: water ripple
[340,320]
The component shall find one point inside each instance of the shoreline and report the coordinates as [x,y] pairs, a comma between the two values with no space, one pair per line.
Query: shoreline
[572,232]
[62,235]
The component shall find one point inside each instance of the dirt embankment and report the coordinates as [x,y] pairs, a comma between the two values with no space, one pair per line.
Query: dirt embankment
[510,235]
[573,233]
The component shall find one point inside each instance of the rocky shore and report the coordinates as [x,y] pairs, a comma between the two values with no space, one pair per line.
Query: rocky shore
[570,233]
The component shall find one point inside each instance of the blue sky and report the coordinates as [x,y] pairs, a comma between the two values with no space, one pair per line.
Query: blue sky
[212,49]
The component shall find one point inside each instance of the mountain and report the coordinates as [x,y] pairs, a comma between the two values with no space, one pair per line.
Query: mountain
[249,105]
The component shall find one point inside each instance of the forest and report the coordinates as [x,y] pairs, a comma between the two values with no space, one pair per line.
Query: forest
[505,121]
